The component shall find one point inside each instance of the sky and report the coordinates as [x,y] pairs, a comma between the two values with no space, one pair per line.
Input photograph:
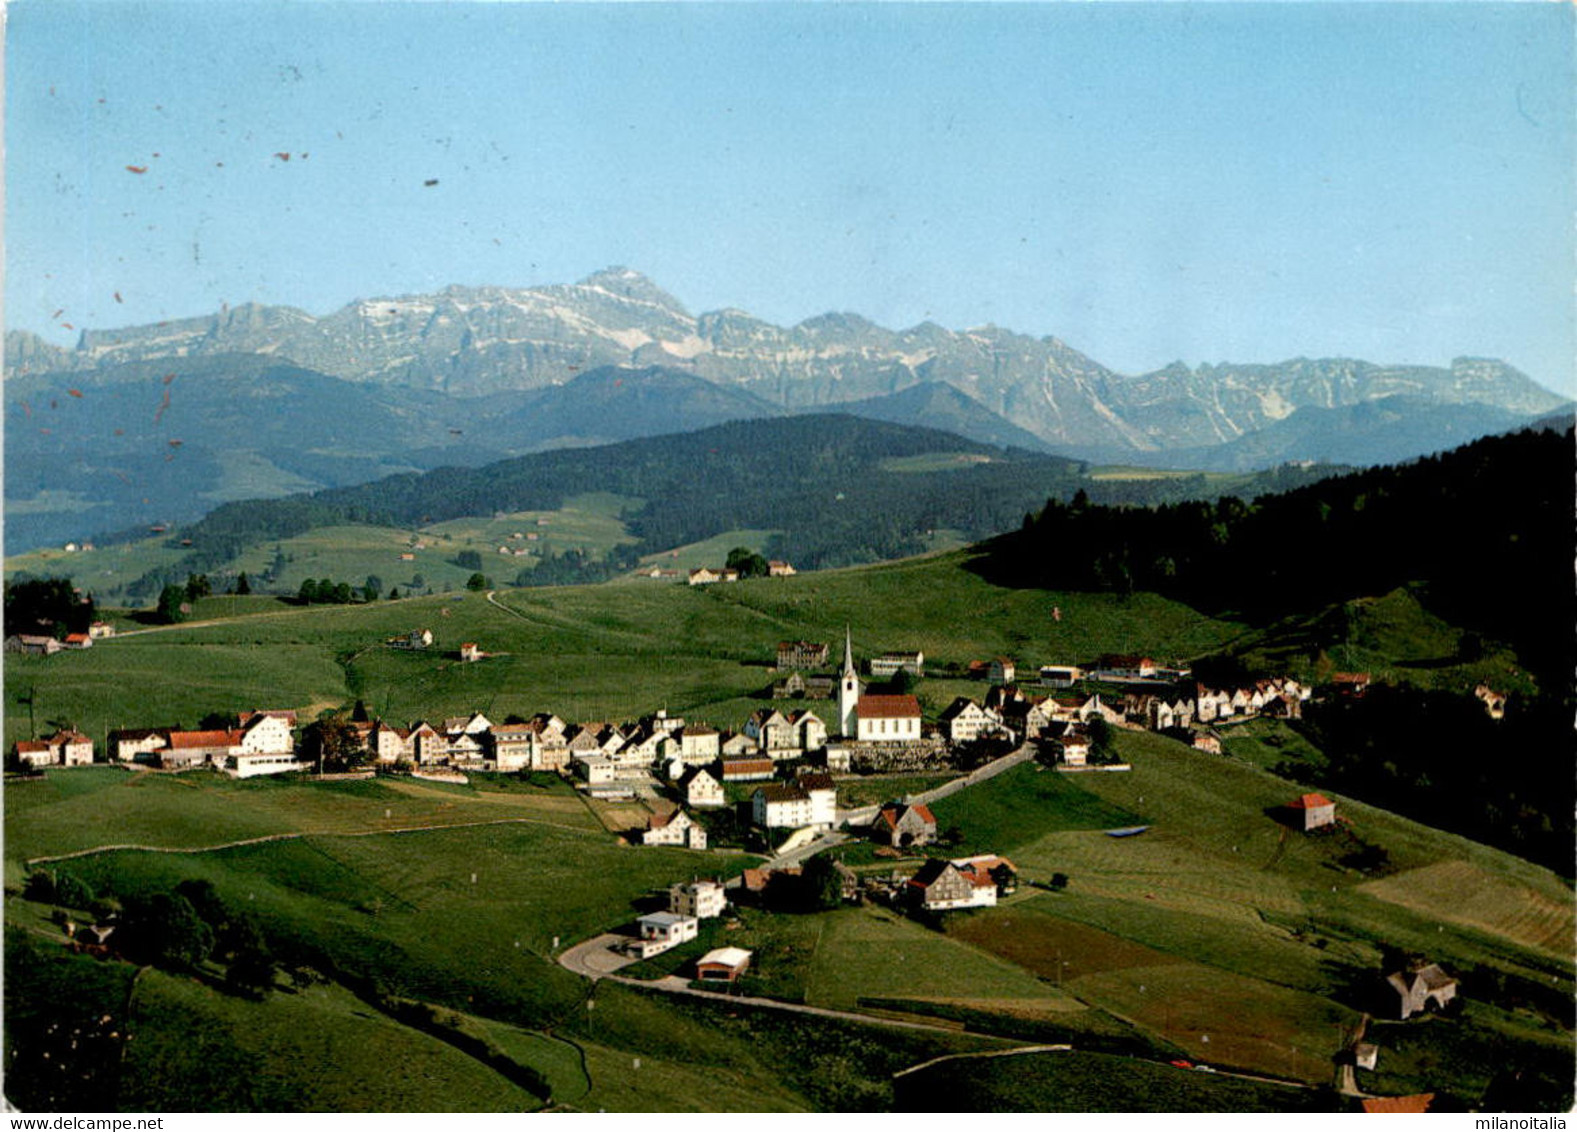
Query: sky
[1149,183]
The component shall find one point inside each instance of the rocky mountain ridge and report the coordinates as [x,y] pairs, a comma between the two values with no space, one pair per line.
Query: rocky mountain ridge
[476,342]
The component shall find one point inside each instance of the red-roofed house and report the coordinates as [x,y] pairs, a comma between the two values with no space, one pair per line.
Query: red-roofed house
[34,752]
[903,826]
[1315,810]
[78,641]
[887,719]
[193,748]
[941,885]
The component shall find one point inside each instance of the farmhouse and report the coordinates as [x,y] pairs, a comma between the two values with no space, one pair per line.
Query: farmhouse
[941,885]
[267,732]
[101,629]
[700,789]
[702,899]
[811,800]
[193,748]
[964,721]
[1312,811]
[677,828]
[773,733]
[470,650]
[903,826]
[415,639]
[1001,670]
[777,568]
[63,748]
[1422,986]
[128,743]
[1072,747]
[802,654]
[723,964]
[32,645]
[77,641]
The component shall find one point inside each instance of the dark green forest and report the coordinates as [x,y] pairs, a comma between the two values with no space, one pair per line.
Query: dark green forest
[1482,535]
[1485,532]
[820,479]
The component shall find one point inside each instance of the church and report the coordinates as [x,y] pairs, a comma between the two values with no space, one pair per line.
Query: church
[873,719]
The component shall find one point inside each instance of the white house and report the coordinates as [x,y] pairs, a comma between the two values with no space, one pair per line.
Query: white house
[267,732]
[677,828]
[701,789]
[702,899]
[698,743]
[965,721]
[662,930]
[811,800]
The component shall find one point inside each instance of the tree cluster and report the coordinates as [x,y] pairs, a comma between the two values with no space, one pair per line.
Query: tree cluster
[46,606]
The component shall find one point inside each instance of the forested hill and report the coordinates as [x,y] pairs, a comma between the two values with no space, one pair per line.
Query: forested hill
[1486,529]
[841,489]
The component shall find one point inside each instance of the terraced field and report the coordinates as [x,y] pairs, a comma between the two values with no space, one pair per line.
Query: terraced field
[1464,893]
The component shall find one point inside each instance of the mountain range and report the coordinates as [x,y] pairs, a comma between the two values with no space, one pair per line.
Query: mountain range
[470,374]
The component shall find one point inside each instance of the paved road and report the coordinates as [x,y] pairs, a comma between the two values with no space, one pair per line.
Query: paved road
[808,850]
[595,960]
[990,770]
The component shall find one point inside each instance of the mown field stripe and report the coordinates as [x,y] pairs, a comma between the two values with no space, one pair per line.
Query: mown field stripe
[30,862]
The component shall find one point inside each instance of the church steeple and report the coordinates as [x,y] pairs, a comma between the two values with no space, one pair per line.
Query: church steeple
[848,689]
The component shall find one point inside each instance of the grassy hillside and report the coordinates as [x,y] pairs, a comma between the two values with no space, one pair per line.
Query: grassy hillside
[1218,935]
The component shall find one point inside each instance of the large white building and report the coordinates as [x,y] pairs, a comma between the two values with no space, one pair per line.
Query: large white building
[887,719]
[810,800]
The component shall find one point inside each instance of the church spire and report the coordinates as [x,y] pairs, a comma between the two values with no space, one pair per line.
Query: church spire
[848,652]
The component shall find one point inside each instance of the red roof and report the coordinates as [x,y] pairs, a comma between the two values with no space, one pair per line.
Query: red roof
[1312,801]
[31,747]
[888,707]
[181,739]
[1417,1103]
[76,638]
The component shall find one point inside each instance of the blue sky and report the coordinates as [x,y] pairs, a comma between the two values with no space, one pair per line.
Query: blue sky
[1147,182]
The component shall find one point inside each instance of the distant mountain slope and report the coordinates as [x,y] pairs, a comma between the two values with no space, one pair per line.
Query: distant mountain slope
[477,341]
[935,404]
[613,403]
[1370,432]
[147,442]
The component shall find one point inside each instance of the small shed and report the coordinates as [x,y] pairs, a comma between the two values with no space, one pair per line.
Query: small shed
[1313,811]
[1365,1055]
[722,965]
